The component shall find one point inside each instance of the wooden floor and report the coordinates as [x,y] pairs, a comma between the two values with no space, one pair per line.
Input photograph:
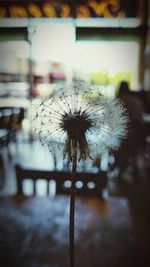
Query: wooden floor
[34,231]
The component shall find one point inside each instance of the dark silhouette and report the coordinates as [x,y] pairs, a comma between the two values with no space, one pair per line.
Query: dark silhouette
[133,144]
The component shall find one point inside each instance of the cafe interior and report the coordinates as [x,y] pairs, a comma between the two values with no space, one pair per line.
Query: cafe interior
[46,46]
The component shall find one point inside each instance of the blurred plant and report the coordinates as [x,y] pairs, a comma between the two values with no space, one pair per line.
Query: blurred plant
[81,126]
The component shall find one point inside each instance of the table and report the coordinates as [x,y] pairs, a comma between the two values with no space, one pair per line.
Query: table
[34,232]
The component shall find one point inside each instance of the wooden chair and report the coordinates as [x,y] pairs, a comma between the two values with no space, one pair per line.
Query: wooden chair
[87,184]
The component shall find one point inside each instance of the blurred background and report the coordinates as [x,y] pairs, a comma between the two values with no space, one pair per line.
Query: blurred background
[44,44]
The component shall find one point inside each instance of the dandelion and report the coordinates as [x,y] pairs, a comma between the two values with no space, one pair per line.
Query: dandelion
[74,116]
[82,124]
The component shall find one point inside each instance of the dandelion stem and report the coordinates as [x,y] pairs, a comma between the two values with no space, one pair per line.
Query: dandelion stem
[72,207]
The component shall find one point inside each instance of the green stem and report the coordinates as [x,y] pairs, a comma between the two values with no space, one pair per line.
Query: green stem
[72,208]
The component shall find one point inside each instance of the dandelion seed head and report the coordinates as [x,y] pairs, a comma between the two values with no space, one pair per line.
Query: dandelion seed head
[76,124]
[74,116]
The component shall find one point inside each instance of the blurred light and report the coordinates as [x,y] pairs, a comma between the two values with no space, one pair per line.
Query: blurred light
[48,43]
[44,89]
[111,58]
[67,184]
[79,184]
[19,48]
[91,185]
[52,188]
[104,162]
[105,194]
[41,188]
[28,187]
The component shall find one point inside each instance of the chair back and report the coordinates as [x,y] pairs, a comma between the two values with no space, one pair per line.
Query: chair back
[87,184]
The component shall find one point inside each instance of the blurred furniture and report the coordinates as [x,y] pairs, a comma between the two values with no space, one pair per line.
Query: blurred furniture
[11,115]
[87,184]
[10,123]
[14,102]
[13,88]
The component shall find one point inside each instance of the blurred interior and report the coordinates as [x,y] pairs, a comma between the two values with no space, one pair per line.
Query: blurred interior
[38,51]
